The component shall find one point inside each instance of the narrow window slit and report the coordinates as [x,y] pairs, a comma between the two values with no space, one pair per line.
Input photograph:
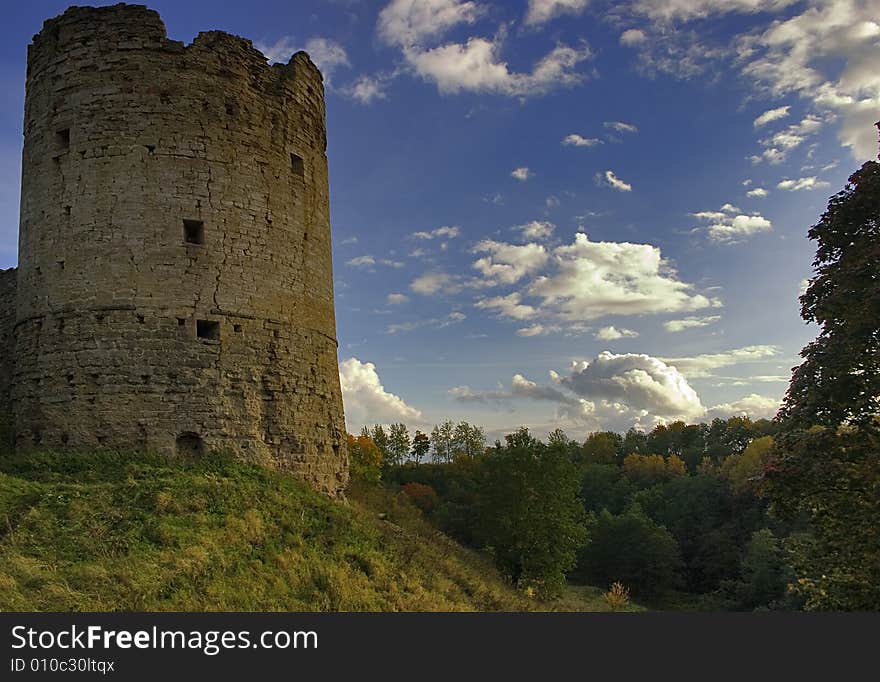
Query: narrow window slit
[194,231]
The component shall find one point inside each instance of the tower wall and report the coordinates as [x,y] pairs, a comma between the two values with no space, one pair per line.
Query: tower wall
[175,289]
[7,352]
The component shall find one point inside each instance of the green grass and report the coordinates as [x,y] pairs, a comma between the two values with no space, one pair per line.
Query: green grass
[108,532]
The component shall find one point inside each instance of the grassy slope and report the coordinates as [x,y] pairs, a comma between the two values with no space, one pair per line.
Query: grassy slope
[112,532]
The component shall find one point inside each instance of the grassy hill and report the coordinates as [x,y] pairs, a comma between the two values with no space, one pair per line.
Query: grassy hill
[122,532]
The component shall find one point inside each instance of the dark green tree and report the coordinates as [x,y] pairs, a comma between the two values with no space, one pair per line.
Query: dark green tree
[529,512]
[827,456]
[421,445]
[631,549]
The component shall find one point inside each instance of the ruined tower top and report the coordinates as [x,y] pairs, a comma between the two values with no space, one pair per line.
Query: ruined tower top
[175,289]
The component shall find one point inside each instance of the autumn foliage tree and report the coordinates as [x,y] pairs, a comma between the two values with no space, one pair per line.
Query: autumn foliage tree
[827,456]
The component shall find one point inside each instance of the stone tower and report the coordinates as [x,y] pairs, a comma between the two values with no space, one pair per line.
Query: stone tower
[175,291]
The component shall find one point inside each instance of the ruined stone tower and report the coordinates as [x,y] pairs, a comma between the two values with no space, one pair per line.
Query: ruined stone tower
[174,290]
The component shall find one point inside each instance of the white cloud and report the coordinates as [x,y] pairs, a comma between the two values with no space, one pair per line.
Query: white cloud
[366,400]
[609,179]
[361,262]
[592,279]
[702,365]
[397,299]
[508,263]
[327,54]
[612,333]
[668,10]
[757,192]
[542,11]
[509,306]
[632,37]
[811,182]
[445,232]
[644,385]
[538,330]
[408,22]
[771,115]
[536,229]
[476,66]
[778,145]
[753,405]
[728,226]
[621,127]
[827,53]
[367,89]
[522,173]
[432,282]
[433,323]
[575,140]
[674,326]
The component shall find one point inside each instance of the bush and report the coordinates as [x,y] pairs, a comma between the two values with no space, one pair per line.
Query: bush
[422,496]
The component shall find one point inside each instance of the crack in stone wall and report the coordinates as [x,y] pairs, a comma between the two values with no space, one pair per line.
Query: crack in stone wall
[127,135]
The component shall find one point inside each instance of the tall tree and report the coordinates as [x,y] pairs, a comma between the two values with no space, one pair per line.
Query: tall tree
[468,440]
[827,461]
[398,443]
[442,439]
[421,445]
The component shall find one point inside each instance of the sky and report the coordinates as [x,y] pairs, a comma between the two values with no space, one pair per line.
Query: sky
[573,214]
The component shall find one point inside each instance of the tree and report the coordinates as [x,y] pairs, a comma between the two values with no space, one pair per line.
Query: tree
[365,459]
[380,438]
[468,441]
[421,445]
[826,464]
[529,512]
[442,440]
[398,443]
[744,470]
[633,550]
[601,447]
[765,574]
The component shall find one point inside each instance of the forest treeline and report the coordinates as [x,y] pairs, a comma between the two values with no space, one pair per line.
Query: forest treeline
[676,515]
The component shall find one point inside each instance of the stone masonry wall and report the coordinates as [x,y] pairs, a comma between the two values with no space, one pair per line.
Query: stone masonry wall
[7,350]
[175,289]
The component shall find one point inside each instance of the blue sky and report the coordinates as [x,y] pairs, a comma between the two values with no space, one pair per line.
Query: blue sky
[565,213]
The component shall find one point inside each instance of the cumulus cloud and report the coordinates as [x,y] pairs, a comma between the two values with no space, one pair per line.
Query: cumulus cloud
[367,89]
[758,192]
[646,385]
[621,127]
[799,184]
[522,173]
[632,37]
[366,400]
[729,226]
[397,299]
[771,115]
[575,140]
[327,54]
[510,306]
[609,179]
[432,282]
[477,66]
[445,232]
[409,22]
[593,279]
[542,11]
[699,366]
[753,405]
[536,229]
[690,322]
[508,263]
[612,333]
